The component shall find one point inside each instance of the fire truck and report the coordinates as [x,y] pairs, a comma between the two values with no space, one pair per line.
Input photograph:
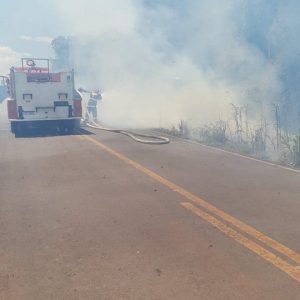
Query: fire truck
[42,99]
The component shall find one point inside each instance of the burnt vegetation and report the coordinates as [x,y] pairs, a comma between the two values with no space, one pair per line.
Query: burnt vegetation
[267,138]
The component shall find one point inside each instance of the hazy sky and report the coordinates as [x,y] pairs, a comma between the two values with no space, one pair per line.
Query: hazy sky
[27,27]
[24,19]
[248,47]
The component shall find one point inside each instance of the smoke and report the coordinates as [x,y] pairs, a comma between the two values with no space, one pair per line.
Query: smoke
[37,39]
[159,62]
[8,58]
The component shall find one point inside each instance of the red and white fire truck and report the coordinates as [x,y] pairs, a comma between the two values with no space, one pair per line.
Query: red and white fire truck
[42,99]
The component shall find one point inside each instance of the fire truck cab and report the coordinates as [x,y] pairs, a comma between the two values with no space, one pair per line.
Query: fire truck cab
[41,99]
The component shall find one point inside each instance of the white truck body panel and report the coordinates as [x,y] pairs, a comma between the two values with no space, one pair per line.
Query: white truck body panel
[43,94]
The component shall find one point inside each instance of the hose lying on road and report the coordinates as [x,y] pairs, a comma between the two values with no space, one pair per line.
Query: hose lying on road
[138,137]
[156,139]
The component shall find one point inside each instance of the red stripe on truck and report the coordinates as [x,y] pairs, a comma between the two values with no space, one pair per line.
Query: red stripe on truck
[77,108]
[12,109]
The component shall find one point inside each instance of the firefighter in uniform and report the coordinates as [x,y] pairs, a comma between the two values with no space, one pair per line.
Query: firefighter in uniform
[95,97]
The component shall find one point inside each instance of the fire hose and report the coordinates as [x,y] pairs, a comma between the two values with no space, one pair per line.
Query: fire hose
[138,137]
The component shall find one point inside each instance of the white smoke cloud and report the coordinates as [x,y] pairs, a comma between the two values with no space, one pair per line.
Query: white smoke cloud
[158,63]
[37,39]
[8,58]
[95,17]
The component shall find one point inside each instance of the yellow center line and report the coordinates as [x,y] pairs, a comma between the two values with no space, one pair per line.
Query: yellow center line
[209,207]
[254,247]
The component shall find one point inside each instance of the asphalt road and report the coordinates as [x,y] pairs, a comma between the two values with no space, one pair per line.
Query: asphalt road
[99,216]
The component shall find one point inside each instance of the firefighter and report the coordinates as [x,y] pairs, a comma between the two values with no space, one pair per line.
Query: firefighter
[95,97]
